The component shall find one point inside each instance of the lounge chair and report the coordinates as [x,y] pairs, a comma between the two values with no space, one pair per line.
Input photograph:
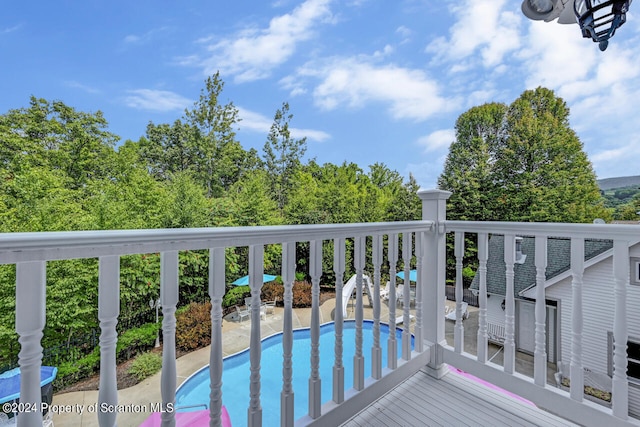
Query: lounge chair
[242,313]
[384,292]
[451,315]
[400,319]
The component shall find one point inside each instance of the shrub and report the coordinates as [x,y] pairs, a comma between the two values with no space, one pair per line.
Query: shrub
[135,341]
[272,292]
[301,294]
[235,296]
[193,326]
[145,365]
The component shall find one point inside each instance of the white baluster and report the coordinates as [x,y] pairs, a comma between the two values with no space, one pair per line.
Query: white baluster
[509,312]
[406,294]
[392,346]
[256,271]
[419,339]
[376,350]
[288,276]
[577,270]
[338,367]
[30,320]
[540,353]
[620,386]
[483,253]
[108,310]
[458,334]
[168,299]
[315,270]
[418,331]
[358,358]
[217,281]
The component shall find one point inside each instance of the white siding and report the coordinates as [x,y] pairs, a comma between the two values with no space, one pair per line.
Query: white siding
[598,306]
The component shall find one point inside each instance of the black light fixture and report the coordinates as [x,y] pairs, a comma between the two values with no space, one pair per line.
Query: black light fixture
[599,19]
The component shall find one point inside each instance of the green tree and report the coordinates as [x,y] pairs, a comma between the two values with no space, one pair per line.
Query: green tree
[541,171]
[282,155]
[521,163]
[169,149]
[219,159]
[468,168]
[56,136]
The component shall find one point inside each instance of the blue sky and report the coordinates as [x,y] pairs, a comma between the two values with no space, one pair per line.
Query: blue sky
[367,81]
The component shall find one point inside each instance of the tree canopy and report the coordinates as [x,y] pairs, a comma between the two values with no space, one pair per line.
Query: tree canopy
[521,162]
[62,169]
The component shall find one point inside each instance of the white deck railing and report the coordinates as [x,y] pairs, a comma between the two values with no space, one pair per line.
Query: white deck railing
[425,240]
[569,405]
[30,252]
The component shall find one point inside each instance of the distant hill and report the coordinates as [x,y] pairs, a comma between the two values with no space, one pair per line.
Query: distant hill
[619,182]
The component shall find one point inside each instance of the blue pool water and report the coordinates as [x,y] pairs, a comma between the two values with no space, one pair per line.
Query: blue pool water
[235,377]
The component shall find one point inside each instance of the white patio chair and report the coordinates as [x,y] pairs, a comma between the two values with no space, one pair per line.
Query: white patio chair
[270,306]
[242,313]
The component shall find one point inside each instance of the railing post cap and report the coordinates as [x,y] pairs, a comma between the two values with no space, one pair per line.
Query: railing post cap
[434,194]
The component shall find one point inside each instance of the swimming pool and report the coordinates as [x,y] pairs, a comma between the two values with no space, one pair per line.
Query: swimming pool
[235,377]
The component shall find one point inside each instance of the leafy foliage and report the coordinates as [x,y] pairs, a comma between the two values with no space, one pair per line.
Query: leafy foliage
[145,365]
[193,327]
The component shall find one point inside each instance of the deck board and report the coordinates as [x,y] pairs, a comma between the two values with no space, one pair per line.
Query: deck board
[454,400]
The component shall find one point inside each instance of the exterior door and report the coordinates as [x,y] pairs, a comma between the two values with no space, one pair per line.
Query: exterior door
[526,335]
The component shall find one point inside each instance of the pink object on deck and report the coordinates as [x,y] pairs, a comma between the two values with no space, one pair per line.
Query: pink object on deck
[188,419]
[489,385]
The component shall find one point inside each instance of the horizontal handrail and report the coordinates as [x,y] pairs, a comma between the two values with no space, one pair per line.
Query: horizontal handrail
[49,246]
[555,229]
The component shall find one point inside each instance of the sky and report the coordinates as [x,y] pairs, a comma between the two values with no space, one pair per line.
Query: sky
[367,81]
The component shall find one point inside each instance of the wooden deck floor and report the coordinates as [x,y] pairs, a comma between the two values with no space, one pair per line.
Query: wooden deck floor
[452,401]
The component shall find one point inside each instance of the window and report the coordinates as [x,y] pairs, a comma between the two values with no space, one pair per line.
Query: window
[635,271]
[633,358]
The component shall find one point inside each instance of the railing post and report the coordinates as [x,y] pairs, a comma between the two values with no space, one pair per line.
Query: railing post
[510,304]
[376,350]
[338,367]
[315,382]
[256,270]
[169,300]
[458,336]
[108,310]
[483,254]
[288,276]
[216,293]
[577,319]
[358,359]
[434,209]
[540,359]
[620,385]
[30,319]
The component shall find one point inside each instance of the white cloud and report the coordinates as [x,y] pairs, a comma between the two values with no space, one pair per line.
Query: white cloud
[256,122]
[437,140]
[83,87]
[156,100]
[481,26]
[254,52]
[10,29]
[356,82]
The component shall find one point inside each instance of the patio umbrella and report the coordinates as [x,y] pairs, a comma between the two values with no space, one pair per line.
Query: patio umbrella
[413,275]
[244,280]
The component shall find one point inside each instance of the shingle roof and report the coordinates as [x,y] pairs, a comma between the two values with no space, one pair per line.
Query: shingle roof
[558,261]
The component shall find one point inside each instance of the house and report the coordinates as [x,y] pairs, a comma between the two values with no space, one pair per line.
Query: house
[558,263]
[598,294]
